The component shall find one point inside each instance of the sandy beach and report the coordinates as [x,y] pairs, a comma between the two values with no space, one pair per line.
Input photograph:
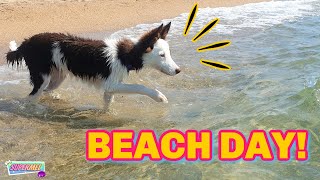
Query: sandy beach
[22,18]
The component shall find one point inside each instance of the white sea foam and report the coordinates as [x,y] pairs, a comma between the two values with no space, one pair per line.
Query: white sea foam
[9,82]
[254,15]
[12,75]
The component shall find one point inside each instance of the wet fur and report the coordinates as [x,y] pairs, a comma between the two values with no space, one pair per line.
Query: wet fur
[51,56]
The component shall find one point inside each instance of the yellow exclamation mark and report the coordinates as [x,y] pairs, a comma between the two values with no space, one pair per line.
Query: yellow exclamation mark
[302,140]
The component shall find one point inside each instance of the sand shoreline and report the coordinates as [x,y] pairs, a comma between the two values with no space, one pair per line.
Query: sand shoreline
[22,18]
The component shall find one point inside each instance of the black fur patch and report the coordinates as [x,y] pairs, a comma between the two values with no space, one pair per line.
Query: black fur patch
[130,55]
[83,57]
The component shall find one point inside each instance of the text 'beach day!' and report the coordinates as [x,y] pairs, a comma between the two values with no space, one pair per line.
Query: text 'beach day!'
[193,145]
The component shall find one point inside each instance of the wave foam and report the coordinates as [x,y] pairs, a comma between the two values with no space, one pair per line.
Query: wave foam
[253,15]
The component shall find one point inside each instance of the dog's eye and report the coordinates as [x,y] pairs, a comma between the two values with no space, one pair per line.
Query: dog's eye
[162,54]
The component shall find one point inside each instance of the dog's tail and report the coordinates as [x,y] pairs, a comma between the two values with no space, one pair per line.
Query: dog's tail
[14,56]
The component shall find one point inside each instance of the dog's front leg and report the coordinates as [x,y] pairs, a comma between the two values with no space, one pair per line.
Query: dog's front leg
[139,89]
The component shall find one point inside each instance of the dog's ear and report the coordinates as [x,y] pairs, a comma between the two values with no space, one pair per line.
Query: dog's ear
[165,30]
[147,41]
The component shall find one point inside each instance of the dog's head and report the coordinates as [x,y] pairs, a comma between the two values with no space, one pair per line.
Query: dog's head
[156,51]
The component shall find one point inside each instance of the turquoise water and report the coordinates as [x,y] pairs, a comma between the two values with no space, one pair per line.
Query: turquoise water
[274,84]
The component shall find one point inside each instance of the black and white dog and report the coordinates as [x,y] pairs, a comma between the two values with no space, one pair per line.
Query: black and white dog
[51,56]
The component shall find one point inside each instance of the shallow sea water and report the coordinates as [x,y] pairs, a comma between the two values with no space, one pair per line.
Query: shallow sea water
[274,84]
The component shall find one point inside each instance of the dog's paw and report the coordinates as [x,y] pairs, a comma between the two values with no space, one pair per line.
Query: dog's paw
[159,97]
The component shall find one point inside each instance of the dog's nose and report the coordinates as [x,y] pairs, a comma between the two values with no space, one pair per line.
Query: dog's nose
[178,71]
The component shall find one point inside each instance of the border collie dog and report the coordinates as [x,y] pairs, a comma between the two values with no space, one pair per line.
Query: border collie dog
[51,56]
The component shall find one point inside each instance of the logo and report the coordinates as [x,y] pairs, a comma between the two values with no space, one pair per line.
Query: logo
[25,167]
